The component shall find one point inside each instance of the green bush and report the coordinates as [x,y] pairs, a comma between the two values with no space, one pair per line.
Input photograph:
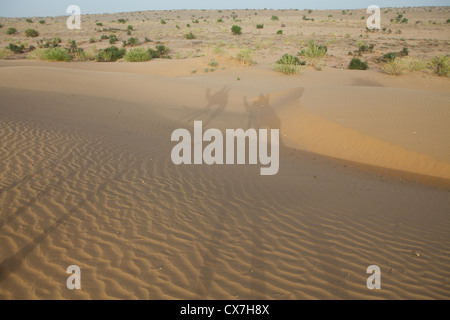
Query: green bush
[42,21]
[99,24]
[110,54]
[31,33]
[113,39]
[441,65]
[245,56]
[275,18]
[236,29]
[314,53]
[132,42]
[29,20]
[104,37]
[53,54]
[190,36]
[280,32]
[11,31]
[357,64]
[220,20]
[160,52]
[15,48]
[130,27]
[288,64]
[138,55]
[163,21]
[121,21]
[259,26]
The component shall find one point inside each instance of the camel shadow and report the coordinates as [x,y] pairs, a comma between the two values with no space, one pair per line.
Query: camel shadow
[216,105]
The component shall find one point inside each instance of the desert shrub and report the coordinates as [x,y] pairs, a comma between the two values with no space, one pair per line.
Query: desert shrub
[29,20]
[104,37]
[357,64]
[147,40]
[110,54]
[138,55]
[132,42]
[214,63]
[113,39]
[395,67]
[11,31]
[190,36]
[5,53]
[130,27]
[46,43]
[121,21]
[15,48]
[86,55]
[52,54]
[220,20]
[274,18]
[314,53]
[92,40]
[310,11]
[188,25]
[390,56]
[441,65]
[404,20]
[163,21]
[160,52]
[31,33]
[290,59]
[288,64]
[42,21]
[236,29]
[259,26]
[280,32]
[99,24]
[245,56]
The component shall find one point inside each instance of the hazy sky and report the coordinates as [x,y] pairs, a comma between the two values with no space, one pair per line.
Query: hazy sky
[37,8]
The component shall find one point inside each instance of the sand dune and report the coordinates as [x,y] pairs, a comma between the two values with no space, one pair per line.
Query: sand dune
[86,178]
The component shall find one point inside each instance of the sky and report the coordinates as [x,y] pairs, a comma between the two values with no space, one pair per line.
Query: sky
[44,8]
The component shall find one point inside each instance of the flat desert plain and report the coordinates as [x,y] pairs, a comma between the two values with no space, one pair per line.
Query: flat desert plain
[87,179]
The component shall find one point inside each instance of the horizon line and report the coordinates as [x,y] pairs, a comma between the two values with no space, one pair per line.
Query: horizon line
[223,9]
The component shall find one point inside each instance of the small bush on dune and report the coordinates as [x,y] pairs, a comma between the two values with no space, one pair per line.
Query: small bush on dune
[110,54]
[288,64]
[441,65]
[236,29]
[113,39]
[259,26]
[31,33]
[280,32]
[16,48]
[160,52]
[357,64]
[5,53]
[138,55]
[274,18]
[11,31]
[86,55]
[42,21]
[121,21]
[29,20]
[190,36]
[132,42]
[245,56]
[314,53]
[52,54]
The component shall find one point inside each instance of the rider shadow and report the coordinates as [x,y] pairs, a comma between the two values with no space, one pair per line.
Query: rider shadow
[261,114]
[217,103]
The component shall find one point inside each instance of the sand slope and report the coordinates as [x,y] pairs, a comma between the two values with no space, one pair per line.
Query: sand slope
[86,178]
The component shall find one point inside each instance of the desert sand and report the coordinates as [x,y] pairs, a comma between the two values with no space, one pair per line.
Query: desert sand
[86,176]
